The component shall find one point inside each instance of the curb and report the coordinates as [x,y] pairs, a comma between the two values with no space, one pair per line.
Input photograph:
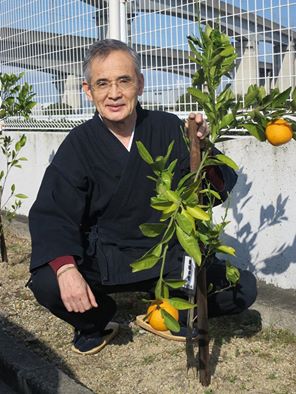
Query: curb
[26,373]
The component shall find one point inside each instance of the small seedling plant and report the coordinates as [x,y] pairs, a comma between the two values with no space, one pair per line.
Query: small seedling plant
[187,211]
[15,100]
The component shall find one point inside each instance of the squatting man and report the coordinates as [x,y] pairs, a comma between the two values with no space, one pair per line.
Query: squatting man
[94,195]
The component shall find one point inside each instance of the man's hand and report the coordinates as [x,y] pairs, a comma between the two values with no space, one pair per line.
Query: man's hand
[75,292]
[201,125]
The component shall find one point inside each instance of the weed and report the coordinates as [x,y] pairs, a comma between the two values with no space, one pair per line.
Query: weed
[277,336]
[272,376]
[232,379]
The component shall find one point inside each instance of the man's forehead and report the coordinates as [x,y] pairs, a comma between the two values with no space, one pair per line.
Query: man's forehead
[117,62]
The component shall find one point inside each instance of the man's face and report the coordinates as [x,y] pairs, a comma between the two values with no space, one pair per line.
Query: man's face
[114,87]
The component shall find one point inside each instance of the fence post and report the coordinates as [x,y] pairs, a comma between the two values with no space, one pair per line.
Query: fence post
[114,19]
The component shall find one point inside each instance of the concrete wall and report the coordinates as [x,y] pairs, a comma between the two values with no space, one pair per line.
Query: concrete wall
[262,206]
[263,209]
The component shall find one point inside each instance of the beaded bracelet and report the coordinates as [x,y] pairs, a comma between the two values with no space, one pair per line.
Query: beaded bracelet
[66,269]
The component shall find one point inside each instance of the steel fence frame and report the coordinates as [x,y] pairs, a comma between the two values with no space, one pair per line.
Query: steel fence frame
[48,39]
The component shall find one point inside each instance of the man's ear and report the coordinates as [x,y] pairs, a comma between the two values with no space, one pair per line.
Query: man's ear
[141,84]
[87,90]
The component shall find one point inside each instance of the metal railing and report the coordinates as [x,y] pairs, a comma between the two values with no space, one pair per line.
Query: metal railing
[49,43]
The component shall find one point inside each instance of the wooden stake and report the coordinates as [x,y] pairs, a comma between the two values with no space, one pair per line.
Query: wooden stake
[201,293]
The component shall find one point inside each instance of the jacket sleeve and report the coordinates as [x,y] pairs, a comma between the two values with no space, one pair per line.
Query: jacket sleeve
[56,216]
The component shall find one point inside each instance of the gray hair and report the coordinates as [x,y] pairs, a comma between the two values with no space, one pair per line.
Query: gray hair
[102,49]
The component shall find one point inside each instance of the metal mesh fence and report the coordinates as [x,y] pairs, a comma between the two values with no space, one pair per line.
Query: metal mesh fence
[47,39]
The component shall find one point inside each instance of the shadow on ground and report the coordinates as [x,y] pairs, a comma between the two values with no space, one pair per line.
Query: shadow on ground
[221,331]
[28,365]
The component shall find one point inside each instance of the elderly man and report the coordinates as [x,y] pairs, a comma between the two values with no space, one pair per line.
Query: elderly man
[85,221]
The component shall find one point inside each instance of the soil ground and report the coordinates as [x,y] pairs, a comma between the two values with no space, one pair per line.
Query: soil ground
[243,357]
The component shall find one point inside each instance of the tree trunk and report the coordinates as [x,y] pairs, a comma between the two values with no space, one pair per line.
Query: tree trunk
[3,247]
[201,291]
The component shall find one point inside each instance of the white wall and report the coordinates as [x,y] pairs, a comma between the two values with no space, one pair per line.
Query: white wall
[262,206]
[263,209]
[39,150]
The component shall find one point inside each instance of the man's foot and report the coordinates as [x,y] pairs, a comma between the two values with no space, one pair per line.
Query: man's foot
[94,342]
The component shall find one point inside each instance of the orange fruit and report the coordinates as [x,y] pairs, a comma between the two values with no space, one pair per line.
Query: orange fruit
[278,132]
[155,318]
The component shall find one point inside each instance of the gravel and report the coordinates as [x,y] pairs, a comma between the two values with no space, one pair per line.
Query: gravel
[243,357]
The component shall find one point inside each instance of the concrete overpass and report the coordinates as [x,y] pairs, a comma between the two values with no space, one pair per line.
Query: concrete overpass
[62,55]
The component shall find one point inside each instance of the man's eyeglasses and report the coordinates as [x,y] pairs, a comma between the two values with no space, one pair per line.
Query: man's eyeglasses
[122,84]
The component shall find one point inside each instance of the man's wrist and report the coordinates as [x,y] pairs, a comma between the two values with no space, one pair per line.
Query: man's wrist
[65,268]
[61,261]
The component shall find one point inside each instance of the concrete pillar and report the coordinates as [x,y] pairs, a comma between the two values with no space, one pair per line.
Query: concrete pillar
[72,92]
[267,82]
[247,68]
[114,19]
[286,68]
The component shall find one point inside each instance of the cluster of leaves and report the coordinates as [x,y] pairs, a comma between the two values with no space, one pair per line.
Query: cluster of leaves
[215,57]
[15,100]
[261,108]
[182,216]
[187,211]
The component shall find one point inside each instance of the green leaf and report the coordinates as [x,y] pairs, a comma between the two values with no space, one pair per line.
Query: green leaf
[144,153]
[227,51]
[21,196]
[169,151]
[227,160]
[172,196]
[175,283]
[210,191]
[190,244]
[157,290]
[171,323]
[165,291]
[226,249]
[181,303]
[184,179]
[144,263]
[160,204]
[226,121]
[251,96]
[171,209]
[185,223]
[281,99]
[232,274]
[201,97]
[152,229]
[255,131]
[198,213]
[148,260]
[168,234]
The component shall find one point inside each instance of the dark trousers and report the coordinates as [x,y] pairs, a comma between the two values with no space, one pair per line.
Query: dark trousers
[230,301]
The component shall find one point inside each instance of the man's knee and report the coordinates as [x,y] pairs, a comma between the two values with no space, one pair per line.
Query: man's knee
[44,286]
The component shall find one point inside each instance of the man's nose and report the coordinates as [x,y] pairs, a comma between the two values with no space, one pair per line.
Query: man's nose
[114,90]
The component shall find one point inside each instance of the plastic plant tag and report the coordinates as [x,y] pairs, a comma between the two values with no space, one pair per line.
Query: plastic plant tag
[189,274]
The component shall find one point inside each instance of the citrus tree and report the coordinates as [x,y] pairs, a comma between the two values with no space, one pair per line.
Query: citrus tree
[15,100]
[187,211]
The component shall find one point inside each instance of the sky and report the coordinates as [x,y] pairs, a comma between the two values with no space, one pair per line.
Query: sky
[74,17]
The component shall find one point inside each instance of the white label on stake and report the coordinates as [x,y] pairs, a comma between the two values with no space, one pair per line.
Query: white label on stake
[189,268]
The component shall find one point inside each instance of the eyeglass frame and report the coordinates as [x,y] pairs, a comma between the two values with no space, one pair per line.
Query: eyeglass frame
[104,89]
